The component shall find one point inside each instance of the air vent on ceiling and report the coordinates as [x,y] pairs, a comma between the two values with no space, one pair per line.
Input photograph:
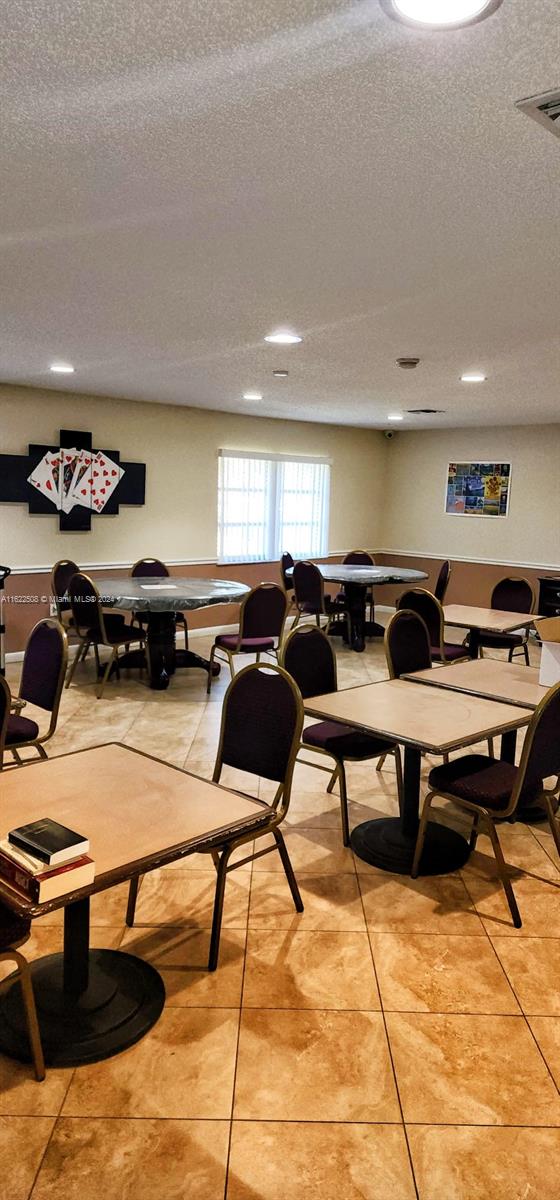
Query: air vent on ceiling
[545,109]
[425,411]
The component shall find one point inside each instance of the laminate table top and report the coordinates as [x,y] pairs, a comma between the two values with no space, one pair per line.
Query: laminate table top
[366,576]
[489,620]
[167,594]
[509,683]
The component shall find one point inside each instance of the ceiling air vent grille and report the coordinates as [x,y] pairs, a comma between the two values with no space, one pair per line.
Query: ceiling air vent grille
[425,411]
[545,109]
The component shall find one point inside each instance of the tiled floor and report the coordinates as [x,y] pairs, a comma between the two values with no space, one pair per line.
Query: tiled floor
[398,1039]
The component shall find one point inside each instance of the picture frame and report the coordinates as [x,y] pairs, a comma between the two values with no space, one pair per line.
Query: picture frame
[477,489]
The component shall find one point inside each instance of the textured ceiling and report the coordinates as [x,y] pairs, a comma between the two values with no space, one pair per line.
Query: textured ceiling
[182,176]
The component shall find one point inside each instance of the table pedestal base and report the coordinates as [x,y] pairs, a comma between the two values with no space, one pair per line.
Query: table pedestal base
[383,844]
[123,999]
[165,659]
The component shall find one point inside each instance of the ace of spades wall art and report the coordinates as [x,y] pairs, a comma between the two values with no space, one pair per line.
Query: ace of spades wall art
[73,479]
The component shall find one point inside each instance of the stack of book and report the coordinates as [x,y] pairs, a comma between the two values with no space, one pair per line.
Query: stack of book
[45,860]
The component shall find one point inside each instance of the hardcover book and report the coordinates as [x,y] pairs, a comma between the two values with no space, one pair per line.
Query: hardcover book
[49,841]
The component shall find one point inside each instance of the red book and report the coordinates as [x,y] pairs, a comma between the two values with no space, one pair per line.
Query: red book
[50,883]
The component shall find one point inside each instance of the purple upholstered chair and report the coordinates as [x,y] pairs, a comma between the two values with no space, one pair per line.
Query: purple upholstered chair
[153,568]
[14,931]
[94,630]
[262,720]
[407,644]
[308,657]
[442,581]
[420,601]
[61,577]
[261,624]
[286,563]
[359,558]
[311,601]
[490,789]
[42,677]
[510,595]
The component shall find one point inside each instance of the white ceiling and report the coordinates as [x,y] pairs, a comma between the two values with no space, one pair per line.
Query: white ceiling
[182,176]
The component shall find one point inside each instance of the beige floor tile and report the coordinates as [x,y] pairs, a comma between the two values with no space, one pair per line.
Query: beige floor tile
[522,852]
[23,1141]
[478,1070]
[532,966]
[423,972]
[431,904]
[135,1160]
[181,957]
[331,903]
[312,851]
[272,1160]
[314,1066]
[547,1033]
[107,910]
[309,970]
[182,1068]
[538,902]
[46,940]
[22,1096]
[470,1163]
[187,898]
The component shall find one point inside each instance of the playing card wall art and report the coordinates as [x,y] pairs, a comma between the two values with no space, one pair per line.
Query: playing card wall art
[72,479]
[478,489]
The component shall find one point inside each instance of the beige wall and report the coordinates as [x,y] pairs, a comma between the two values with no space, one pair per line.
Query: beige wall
[414,520]
[179,447]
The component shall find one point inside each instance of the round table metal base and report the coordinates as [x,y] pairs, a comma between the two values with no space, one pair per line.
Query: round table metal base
[382,844]
[124,998]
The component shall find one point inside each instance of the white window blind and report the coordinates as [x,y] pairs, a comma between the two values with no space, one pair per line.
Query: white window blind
[271,503]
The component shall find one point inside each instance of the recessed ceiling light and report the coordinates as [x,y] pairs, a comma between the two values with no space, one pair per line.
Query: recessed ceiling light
[395,417]
[280,374]
[62,368]
[252,395]
[440,14]
[283,337]
[473,377]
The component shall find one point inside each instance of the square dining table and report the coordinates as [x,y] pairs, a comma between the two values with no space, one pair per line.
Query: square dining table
[139,814]
[485,620]
[420,719]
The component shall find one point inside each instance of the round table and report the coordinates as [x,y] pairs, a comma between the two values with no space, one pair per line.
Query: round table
[158,600]
[357,580]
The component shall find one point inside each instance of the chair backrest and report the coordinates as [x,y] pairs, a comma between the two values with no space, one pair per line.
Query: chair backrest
[262,721]
[5,701]
[422,602]
[286,562]
[359,558]
[307,655]
[263,612]
[513,595]
[309,587]
[86,607]
[61,574]
[442,581]
[146,567]
[44,666]
[407,644]
[540,757]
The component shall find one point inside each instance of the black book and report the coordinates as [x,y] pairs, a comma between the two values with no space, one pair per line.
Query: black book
[50,842]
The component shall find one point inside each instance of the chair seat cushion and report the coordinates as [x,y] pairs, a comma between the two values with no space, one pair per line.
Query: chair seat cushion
[481,780]
[501,641]
[13,928]
[21,729]
[249,645]
[344,741]
[451,652]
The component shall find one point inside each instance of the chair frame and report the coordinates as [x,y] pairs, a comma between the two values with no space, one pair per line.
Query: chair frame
[425,592]
[489,816]
[273,815]
[339,773]
[180,618]
[370,599]
[449,574]
[86,641]
[226,655]
[12,955]
[331,617]
[523,649]
[38,742]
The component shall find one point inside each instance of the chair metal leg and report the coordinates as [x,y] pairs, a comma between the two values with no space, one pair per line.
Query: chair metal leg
[209,683]
[31,1016]
[421,835]
[84,643]
[503,873]
[288,869]
[132,898]
[218,908]
[333,779]
[380,762]
[555,831]
[491,747]
[101,687]
[526,653]
[344,806]
[399,772]
[97,662]
[474,832]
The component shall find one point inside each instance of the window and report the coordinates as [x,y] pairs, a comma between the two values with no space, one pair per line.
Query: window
[271,503]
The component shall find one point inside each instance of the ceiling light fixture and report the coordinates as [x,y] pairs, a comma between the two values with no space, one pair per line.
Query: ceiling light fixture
[283,337]
[473,377]
[395,417]
[61,368]
[252,395]
[439,14]
[280,374]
